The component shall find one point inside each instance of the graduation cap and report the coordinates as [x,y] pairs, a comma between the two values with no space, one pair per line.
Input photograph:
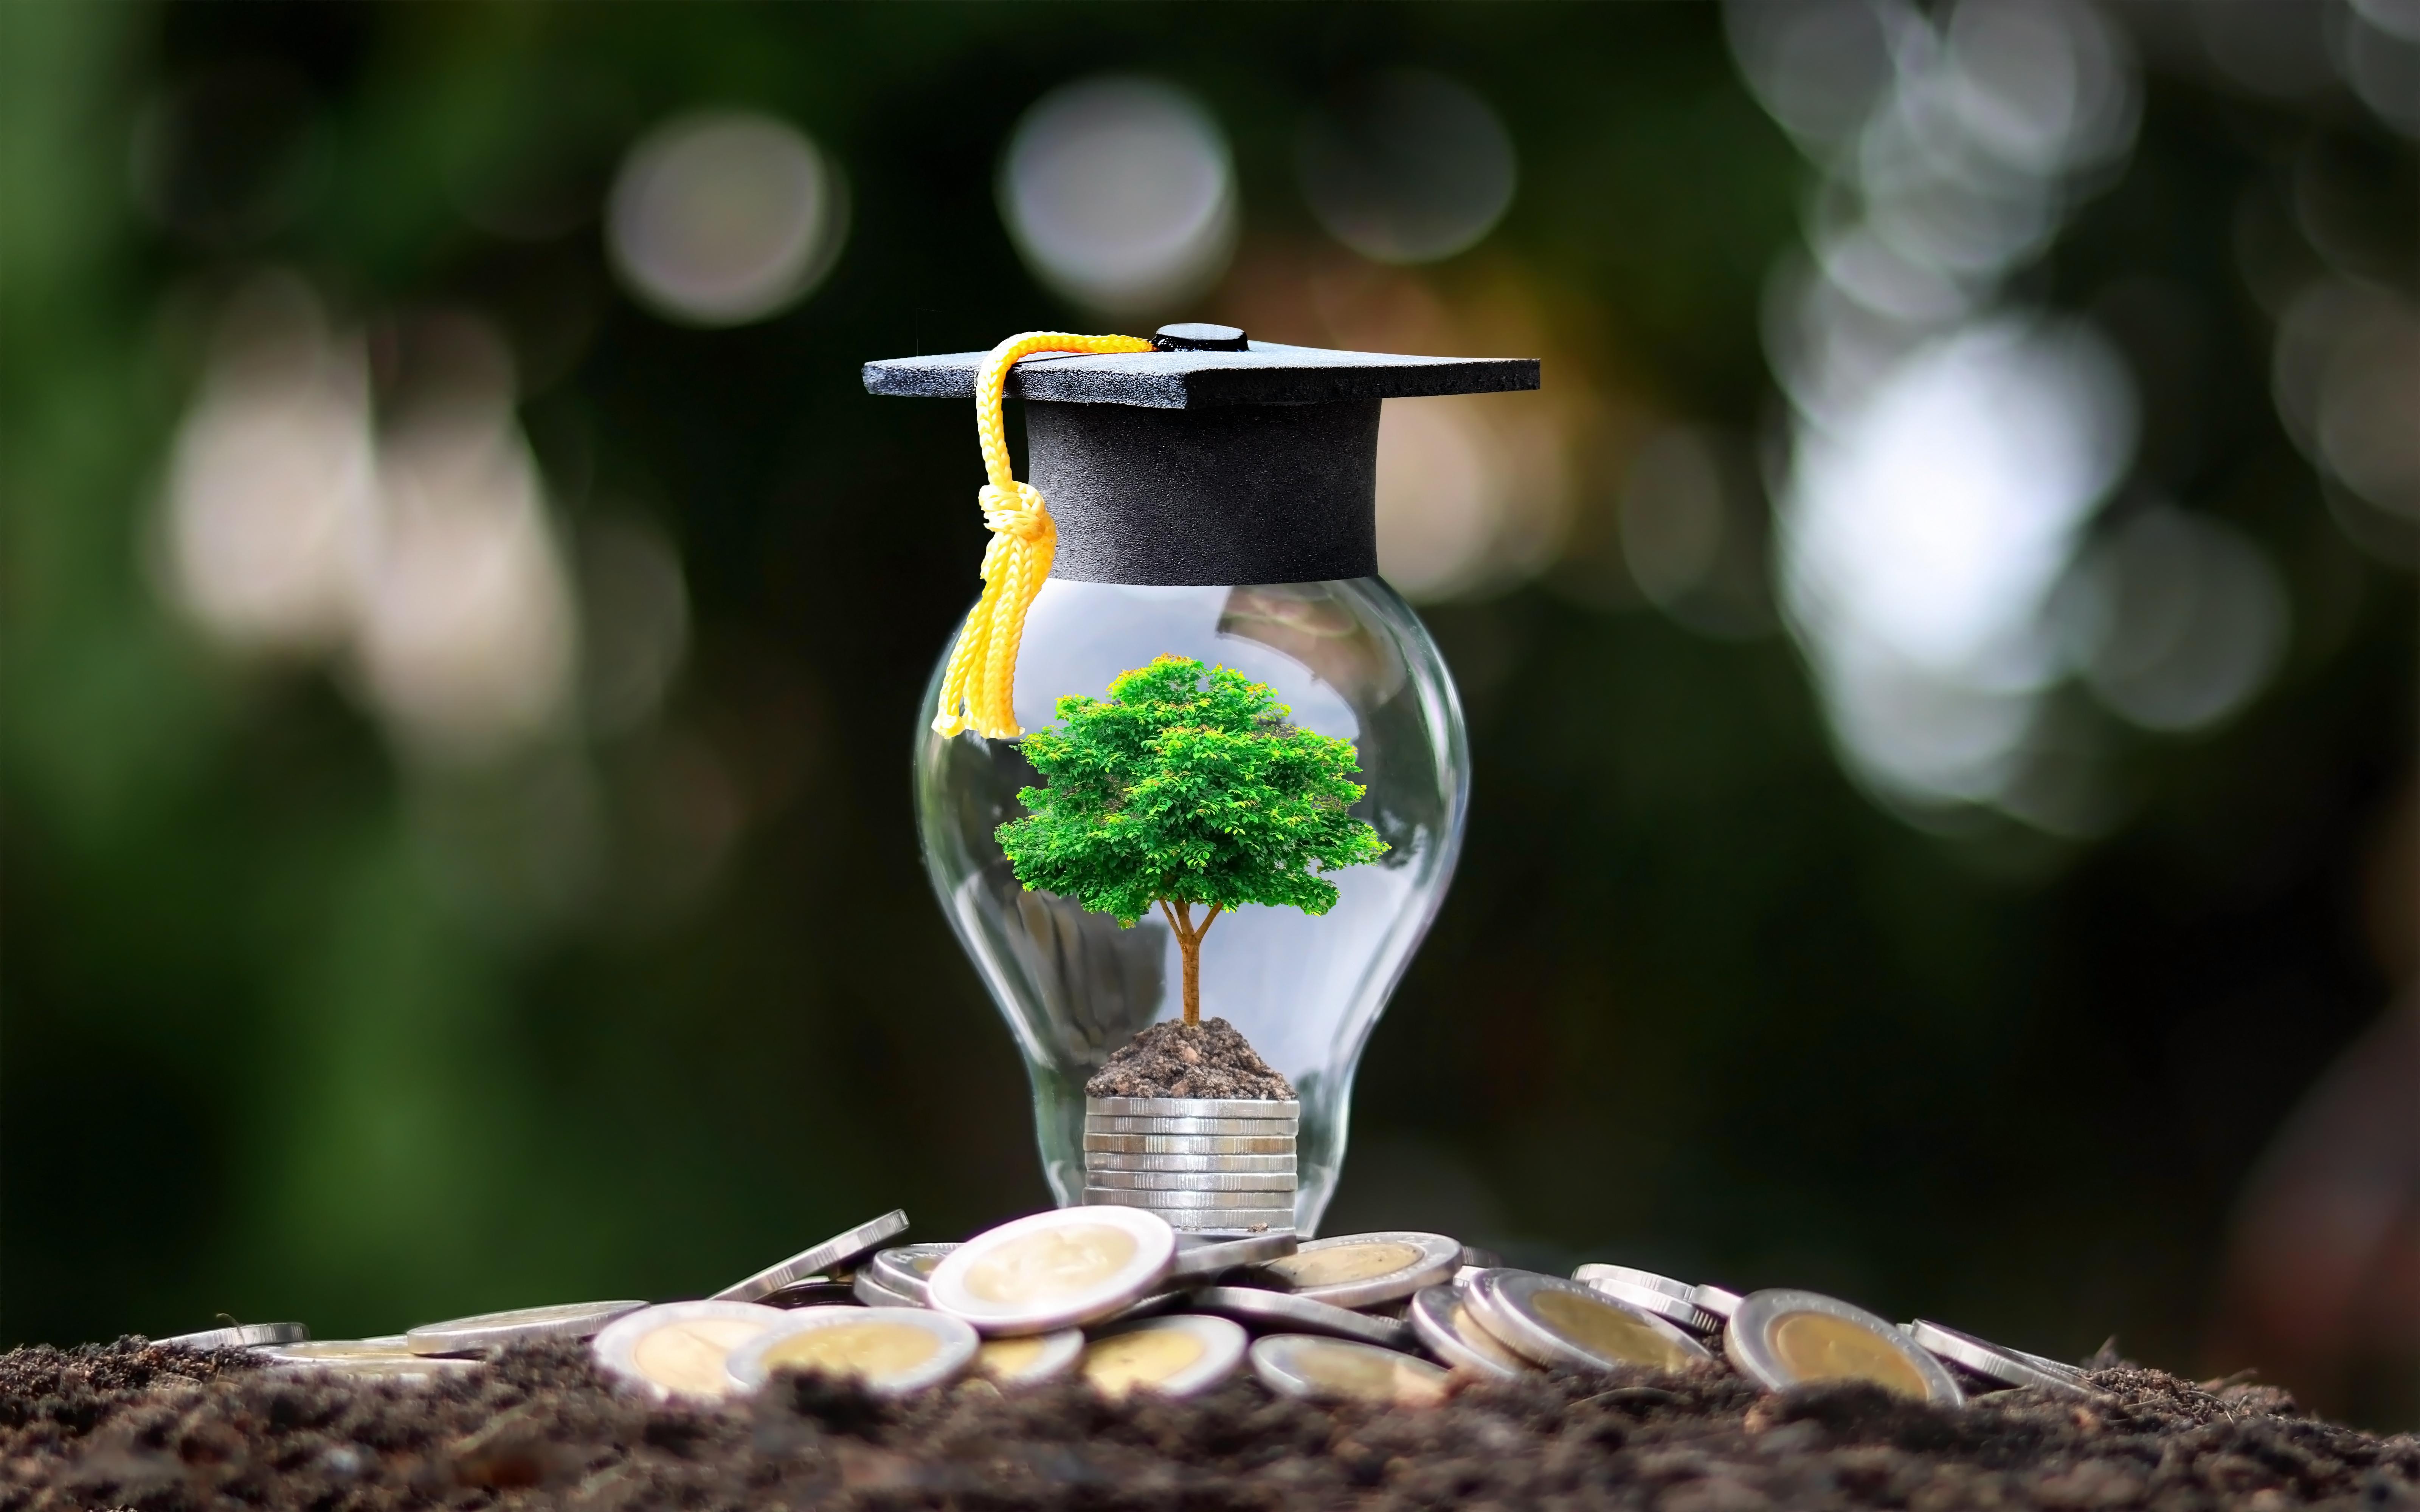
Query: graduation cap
[1197,457]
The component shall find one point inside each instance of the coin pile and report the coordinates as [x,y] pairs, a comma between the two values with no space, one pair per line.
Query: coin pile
[1113,1294]
[1201,1163]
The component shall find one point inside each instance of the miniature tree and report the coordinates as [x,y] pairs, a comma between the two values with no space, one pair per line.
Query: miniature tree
[1187,788]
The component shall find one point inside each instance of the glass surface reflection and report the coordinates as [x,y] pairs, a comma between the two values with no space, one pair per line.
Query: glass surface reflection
[1353,661]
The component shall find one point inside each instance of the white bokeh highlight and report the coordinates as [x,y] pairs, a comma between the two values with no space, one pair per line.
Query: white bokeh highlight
[724,218]
[1119,193]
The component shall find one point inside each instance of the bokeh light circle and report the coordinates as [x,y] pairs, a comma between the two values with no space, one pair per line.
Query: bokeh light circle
[1408,166]
[724,217]
[1119,193]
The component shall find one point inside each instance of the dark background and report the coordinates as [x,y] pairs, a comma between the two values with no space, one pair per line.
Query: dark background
[295,1024]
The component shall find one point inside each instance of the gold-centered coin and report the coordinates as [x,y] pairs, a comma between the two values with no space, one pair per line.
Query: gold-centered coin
[1558,1322]
[1054,1270]
[1173,1356]
[1299,1365]
[681,1349]
[1030,1358]
[1362,1270]
[890,1352]
[1782,1338]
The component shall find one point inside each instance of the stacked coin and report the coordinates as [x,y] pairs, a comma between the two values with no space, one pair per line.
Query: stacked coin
[1202,1163]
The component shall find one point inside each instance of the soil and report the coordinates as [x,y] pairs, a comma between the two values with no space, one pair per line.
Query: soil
[1211,1060]
[138,1426]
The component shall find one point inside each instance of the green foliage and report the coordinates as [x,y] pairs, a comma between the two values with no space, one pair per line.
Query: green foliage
[1186,785]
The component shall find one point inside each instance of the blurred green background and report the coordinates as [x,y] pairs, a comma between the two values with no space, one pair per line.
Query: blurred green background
[516,897]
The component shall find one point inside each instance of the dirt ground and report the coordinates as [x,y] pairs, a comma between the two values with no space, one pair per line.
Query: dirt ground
[132,1425]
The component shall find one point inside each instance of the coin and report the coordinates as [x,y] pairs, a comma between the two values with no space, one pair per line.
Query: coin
[904,1270]
[385,1358]
[1481,1259]
[1111,1160]
[1440,1316]
[1103,1123]
[1165,1201]
[1719,1301]
[837,1250]
[1172,1356]
[1191,1181]
[490,1331]
[1297,1364]
[1193,1108]
[1256,1307]
[678,1348]
[1994,1362]
[1222,1221]
[1136,1144]
[1559,1322]
[1671,1305]
[1356,1270]
[1054,1270]
[1030,1358]
[1781,1340]
[1196,1256]
[1591,1274]
[890,1354]
[239,1336]
[814,1291]
[869,1292]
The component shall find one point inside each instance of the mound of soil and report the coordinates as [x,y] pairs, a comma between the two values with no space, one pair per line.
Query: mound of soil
[131,1424]
[1212,1059]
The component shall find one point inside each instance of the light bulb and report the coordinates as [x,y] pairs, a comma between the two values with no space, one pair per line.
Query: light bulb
[1350,659]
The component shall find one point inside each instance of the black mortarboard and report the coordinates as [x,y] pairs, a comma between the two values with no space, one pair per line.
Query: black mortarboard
[1215,460]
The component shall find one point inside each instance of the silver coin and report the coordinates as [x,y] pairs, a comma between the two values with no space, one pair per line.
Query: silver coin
[1994,1362]
[873,1293]
[1114,1123]
[1151,1307]
[1230,1222]
[1440,1317]
[889,1353]
[1784,1339]
[1193,1108]
[905,1269]
[239,1336]
[1632,1276]
[1661,1303]
[1556,1321]
[371,1358]
[384,1358]
[1473,1258]
[1265,1311]
[838,1250]
[1111,1160]
[493,1331]
[1719,1301]
[1189,1180]
[1054,1269]
[1327,1369]
[1357,1270]
[679,1349]
[1173,1356]
[1198,1257]
[1165,1197]
[1136,1144]
[814,1291]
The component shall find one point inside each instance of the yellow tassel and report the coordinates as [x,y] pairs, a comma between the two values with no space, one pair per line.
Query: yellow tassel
[979,690]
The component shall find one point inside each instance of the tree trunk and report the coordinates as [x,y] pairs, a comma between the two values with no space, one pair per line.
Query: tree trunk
[1191,946]
[1188,941]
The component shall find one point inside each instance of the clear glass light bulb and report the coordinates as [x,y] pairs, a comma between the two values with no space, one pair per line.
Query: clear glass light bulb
[1351,660]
